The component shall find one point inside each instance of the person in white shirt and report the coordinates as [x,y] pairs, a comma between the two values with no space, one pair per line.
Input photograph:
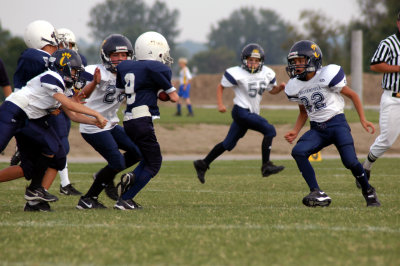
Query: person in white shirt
[249,81]
[318,91]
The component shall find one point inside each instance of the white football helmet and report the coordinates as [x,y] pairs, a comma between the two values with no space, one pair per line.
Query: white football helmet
[67,37]
[40,33]
[152,45]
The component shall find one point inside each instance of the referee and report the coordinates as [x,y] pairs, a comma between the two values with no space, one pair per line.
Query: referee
[386,60]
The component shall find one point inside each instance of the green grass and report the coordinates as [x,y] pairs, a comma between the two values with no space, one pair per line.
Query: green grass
[235,218]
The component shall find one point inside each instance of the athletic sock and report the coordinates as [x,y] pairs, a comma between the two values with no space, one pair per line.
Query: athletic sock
[214,153]
[64,180]
[266,148]
[307,171]
[369,161]
[178,106]
[189,107]
[103,178]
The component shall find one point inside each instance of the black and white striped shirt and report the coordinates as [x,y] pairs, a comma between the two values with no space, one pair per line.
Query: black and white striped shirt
[389,52]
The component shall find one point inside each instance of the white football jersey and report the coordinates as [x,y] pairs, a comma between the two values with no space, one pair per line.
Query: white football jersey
[249,87]
[105,99]
[36,98]
[320,95]
[184,75]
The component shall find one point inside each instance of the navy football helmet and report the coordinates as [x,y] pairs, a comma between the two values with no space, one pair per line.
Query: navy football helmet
[63,61]
[252,50]
[115,43]
[308,50]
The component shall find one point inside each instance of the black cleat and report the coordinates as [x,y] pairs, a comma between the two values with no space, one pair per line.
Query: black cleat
[89,203]
[269,168]
[367,173]
[69,190]
[16,158]
[41,206]
[39,194]
[371,198]
[127,205]
[111,191]
[201,168]
[317,198]
[127,181]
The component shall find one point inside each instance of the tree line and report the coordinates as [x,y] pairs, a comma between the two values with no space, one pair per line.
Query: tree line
[227,38]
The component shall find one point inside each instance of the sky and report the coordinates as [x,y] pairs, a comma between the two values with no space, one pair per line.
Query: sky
[195,21]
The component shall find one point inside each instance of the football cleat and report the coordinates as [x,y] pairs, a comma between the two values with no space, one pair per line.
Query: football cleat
[89,203]
[41,206]
[201,168]
[269,168]
[39,194]
[367,173]
[127,205]
[127,181]
[371,198]
[69,190]
[317,198]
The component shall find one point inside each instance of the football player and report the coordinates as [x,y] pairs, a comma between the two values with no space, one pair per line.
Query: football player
[102,95]
[141,80]
[41,39]
[61,122]
[24,115]
[249,81]
[318,91]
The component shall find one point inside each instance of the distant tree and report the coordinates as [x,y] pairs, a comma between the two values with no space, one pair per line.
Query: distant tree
[327,33]
[214,61]
[377,21]
[10,50]
[247,25]
[133,17]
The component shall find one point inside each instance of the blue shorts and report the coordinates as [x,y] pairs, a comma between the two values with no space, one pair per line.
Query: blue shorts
[184,93]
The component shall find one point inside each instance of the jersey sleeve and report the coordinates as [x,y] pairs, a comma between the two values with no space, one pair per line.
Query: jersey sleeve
[271,76]
[228,79]
[292,91]
[52,84]
[162,75]
[333,77]
[4,81]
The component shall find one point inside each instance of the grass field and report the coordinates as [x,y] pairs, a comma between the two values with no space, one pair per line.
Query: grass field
[235,218]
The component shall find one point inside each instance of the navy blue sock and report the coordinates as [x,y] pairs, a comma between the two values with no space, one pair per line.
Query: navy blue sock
[359,173]
[140,182]
[307,171]
[178,106]
[189,107]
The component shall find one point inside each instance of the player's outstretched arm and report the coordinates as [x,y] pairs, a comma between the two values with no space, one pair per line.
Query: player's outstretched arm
[278,89]
[353,96]
[291,135]
[221,106]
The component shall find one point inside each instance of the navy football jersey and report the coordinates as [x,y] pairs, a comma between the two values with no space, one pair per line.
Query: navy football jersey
[141,81]
[31,63]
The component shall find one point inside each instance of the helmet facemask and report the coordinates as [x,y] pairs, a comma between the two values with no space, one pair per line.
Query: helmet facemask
[252,50]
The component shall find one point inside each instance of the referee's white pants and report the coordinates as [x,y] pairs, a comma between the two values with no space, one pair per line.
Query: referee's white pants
[389,123]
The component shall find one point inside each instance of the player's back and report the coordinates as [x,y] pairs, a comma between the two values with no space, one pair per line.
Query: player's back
[31,63]
[142,80]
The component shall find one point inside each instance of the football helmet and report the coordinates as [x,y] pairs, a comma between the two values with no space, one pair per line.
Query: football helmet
[311,52]
[40,33]
[63,61]
[115,43]
[152,45]
[252,50]
[67,38]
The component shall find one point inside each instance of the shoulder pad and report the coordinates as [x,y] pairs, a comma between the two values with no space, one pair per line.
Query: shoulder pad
[331,75]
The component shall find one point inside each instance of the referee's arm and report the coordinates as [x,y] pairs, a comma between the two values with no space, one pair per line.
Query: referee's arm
[384,68]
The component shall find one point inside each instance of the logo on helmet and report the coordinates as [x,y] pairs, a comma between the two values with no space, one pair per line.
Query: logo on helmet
[314,47]
[64,55]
